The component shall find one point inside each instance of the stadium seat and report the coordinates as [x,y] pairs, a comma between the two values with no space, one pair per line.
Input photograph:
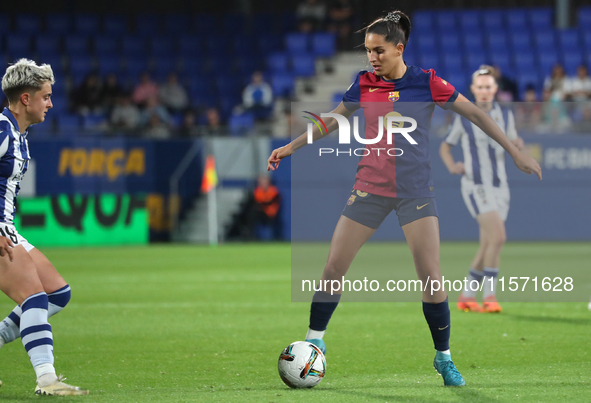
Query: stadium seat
[469,21]
[544,40]
[234,22]
[525,78]
[262,23]
[115,24]
[134,66]
[191,66]
[76,45]
[81,65]
[502,60]
[283,84]
[296,43]
[162,47]
[18,44]
[277,62]
[190,45]
[47,44]
[216,45]
[304,65]
[497,42]
[473,42]
[423,21]
[132,46]
[524,61]
[27,23]
[240,124]
[520,41]
[248,65]
[42,131]
[108,65]
[450,42]
[568,40]
[587,41]
[176,23]
[244,45]
[541,18]
[4,25]
[475,60]
[205,23]
[148,24]
[323,44]
[270,43]
[426,43]
[571,61]
[58,23]
[459,80]
[106,46]
[93,122]
[516,19]
[87,24]
[547,60]
[446,21]
[453,62]
[69,123]
[163,66]
[584,17]
[493,20]
[430,61]
[287,21]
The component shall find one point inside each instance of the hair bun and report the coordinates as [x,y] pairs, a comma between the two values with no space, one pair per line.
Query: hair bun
[392,16]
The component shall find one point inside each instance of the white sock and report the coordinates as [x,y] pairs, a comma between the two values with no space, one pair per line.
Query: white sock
[491,275]
[446,352]
[473,275]
[315,334]
[45,374]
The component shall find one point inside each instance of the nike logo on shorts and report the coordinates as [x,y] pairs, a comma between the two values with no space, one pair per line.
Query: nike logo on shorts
[420,207]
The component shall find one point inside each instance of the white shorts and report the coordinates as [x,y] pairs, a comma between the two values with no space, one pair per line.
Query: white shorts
[482,199]
[10,232]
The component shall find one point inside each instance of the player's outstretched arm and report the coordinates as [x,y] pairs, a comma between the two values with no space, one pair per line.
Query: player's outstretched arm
[474,114]
[331,124]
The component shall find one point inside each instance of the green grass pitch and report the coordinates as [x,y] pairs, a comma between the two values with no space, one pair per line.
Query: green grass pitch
[200,324]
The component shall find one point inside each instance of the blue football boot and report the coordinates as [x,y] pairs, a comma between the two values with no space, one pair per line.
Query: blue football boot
[446,368]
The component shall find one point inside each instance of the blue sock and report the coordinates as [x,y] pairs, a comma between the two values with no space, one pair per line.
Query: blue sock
[323,305]
[437,316]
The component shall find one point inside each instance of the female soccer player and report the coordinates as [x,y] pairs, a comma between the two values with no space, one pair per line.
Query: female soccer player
[26,275]
[484,186]
[402,183]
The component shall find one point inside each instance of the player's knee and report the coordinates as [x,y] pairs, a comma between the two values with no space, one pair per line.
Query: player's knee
[61,297]
[332,271]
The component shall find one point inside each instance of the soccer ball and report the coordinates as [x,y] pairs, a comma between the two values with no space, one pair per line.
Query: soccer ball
[301,365]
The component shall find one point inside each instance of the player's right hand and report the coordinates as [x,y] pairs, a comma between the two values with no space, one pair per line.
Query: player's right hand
[527,164]
[6,246]
[457,168]
[277,155]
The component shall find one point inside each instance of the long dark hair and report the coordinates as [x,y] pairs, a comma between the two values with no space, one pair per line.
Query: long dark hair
[394,27]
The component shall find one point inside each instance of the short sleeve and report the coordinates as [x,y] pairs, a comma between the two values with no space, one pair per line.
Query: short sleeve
[443,93]
[4,137]
[511,131]
[352,96]
[455,131]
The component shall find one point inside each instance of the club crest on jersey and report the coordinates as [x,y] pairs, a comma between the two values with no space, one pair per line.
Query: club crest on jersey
[393,96]
[351,200]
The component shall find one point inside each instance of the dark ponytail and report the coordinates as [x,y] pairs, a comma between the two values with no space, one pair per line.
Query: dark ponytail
[395,27]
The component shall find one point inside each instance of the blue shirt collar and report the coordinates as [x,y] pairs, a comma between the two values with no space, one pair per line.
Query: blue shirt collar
[6,112]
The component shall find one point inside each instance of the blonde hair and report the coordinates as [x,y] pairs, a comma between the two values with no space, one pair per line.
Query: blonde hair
[484,70]
[25,75]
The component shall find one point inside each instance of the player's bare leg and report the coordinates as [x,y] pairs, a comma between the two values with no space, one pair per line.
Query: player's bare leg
[493,228]
[467,299]
[422,236]
[348,237]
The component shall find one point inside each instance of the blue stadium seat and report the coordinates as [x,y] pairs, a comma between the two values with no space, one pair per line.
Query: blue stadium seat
[233,22]
[220,65]
[244,45]
[148,24]
[526,78]
[283,84]
[108,65]
[162,47]
[493,20]
[568,40]
[79,66]
[230,85]
[323,44]
[240,124]
[46,44]
[27,23]
[470,21]
[475,60]
[93,122]
[60,102]
[176,23]
[473,42]
[524,61]
[545,39]
[520,41]
[426,43]
[296,42]
[69,123]
[262,23]
[430,61]
[270,43]
[450,42]
[516,19]
[193,66]
[541,18]
[277,62]
[115,24]
[459,80]
[584,17]
[56,63]
[76,45]
[18,43]
[288,21]
[134,66]
[248,65]
[87,24]
[497,42]
[132,46]
[547,60]
[502,60]
[190,45]
[446,21]
[163,66]
[571,61]
[304,65]
[106,45]
[587,40]
[423,20]
[453,62]
[216,45]
[4,25]
[205,23]
[44,130]
[58,23]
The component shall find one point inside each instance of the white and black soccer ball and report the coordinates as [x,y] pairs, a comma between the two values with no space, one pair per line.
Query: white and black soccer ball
[301,365]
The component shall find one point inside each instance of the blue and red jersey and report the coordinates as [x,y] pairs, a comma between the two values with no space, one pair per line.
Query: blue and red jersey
[413,95]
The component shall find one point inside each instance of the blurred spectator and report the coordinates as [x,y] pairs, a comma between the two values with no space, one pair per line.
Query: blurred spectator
[87,96]
[173,95]
[584,125]
[110,92]
[578,88]
[156,128]
[214,124]
[189,126]
[125,114]
[154,107]
[267,201]
[528,114]
[555,85]
[257,97]
[340,16]
[508,91]
[145,89]
[310,15]
[555,117]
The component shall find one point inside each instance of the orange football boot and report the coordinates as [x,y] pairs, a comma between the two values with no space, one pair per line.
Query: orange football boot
[491,305]
[468,304]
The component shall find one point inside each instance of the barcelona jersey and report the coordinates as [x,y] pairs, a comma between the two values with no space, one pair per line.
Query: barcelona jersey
[399,169]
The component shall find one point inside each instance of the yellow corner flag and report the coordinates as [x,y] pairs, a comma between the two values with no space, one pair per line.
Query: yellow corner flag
[210,178]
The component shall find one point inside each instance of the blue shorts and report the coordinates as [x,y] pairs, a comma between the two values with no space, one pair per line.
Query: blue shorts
[371,210]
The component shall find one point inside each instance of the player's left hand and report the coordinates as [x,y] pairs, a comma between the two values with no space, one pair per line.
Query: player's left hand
[527,164]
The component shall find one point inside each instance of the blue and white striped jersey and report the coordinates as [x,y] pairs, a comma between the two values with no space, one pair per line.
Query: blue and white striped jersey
[14,161]
[484,158]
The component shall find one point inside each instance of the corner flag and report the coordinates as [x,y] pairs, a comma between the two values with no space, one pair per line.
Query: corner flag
[210,178]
